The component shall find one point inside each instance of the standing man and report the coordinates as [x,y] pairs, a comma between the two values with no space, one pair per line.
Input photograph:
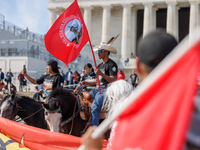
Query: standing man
[1,75]
[9,76]
[21,81]
[133,79]
[62,74]
[50,81]
[107,72]
[151,50]
[68,77]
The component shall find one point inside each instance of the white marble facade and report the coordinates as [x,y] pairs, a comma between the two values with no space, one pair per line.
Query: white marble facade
[107,18]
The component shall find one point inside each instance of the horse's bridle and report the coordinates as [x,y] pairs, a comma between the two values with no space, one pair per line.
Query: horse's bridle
[17,108]
[72,117]
[67,120]
[54,111]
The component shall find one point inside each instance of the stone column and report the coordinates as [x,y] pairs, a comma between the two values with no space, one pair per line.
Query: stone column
[172,19]
[134,30]
[58,13]
[126,31]
[148,19]
[88,17]
[194,16]
[52,17]
[154,18]
[106,23]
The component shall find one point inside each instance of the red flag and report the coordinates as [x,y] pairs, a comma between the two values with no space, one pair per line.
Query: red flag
[36,138]
[68,35]
[159,118]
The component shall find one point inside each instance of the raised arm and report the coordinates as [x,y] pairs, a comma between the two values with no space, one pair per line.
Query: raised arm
[28,77]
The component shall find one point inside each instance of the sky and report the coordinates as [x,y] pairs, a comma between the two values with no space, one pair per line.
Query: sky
[27,13]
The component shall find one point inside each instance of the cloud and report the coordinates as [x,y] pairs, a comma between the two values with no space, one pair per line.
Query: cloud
[27,13]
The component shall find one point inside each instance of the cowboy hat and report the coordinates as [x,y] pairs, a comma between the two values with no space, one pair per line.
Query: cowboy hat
[104,46]
[107,46]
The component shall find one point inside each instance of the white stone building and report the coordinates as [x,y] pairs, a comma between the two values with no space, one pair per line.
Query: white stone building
[132,19]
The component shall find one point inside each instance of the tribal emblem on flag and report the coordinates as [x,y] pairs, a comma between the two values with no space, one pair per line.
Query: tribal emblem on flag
[71,30]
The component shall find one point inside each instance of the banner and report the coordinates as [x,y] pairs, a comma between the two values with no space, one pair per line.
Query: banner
[68,35]
[7,144]
[36,138]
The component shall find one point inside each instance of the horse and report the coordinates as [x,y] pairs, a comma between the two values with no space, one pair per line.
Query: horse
[62,105]
[27,109]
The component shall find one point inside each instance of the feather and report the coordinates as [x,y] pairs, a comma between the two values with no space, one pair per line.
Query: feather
[112,40]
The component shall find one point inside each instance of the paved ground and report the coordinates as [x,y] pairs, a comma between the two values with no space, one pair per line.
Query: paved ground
[29,94]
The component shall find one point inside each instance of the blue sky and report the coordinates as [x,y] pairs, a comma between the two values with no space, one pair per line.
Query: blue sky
[27,13]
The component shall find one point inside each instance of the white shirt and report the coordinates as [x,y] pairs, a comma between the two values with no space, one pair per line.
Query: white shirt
[69,76]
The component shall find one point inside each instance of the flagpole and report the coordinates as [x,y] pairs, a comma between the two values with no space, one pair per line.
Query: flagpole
[95,65]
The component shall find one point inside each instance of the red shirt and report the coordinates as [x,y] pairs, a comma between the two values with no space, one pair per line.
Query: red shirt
[20,77]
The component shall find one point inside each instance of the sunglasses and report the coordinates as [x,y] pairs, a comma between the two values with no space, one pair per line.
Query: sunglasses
[100,51]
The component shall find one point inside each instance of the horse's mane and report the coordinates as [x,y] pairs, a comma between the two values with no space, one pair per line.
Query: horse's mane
[60,91]
[23,98]
[115,95]
[26,98]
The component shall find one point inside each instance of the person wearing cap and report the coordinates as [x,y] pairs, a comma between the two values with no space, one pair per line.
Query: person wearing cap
[50,81]
[151,50]
[107,72]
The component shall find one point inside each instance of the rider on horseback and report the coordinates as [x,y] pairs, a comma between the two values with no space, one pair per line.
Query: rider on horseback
[107,72]
[90,74]
[50,81]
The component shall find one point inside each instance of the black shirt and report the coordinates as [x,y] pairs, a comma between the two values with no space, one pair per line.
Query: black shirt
[133,78]
[110,68]
[50,82]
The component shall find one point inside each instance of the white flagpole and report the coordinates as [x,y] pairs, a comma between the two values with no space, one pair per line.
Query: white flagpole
[172,58]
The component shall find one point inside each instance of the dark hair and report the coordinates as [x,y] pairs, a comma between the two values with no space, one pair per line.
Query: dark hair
[54,65]
[89,66]
[55,69]
[36,87]
[154,47]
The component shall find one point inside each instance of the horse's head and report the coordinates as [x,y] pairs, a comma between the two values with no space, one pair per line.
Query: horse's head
[53,113]
[59,103]
[8,106]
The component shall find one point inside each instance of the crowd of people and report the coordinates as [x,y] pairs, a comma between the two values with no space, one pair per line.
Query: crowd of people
[6,85]
[107,71]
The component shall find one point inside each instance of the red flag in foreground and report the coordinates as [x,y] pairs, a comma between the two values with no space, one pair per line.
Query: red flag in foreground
[68,35]
[36,138]
[159,118]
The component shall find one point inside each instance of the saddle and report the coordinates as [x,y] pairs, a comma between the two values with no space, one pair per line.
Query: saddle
[86,103]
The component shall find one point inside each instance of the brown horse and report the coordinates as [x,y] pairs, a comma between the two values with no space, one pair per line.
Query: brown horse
[62,103]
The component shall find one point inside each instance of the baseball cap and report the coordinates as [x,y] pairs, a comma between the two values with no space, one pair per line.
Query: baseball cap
[155,46]
[53,63]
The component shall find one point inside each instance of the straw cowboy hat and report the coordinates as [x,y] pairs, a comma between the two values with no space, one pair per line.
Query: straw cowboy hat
[107,46]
